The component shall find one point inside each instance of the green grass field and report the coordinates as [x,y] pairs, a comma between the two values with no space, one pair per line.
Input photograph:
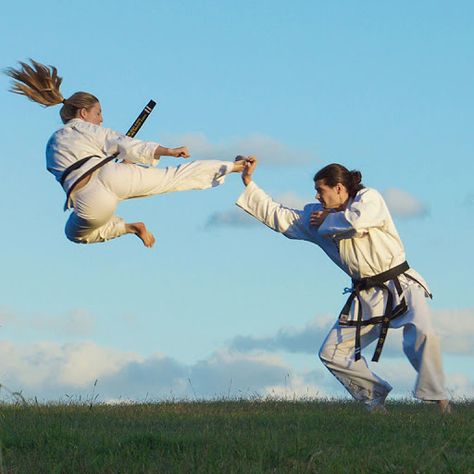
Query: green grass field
[239,436]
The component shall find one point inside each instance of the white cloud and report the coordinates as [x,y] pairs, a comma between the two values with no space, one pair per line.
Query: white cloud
[157,376]
[403,204]
[239,218]
[248,367]
[77,323]
[459,385]
[236,373]
[267,149]
[456,329]
[306,340]
[292,200]
[51,371]
[454,326]
[231,218]
[69,365]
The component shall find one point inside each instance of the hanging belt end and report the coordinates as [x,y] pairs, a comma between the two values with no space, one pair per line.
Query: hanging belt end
[357,354]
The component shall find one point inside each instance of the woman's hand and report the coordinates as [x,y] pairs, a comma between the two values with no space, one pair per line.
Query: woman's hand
[317,218]
[180,152]
[250,166]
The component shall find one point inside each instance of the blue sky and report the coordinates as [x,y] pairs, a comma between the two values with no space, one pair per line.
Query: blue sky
[384,87]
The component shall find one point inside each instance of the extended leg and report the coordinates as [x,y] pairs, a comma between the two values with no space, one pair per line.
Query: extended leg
[128,181]
[421,346]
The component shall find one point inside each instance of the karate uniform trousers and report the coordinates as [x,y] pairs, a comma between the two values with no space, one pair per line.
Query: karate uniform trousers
[93,219]
[362,241]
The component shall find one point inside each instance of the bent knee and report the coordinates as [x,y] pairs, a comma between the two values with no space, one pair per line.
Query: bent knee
[326,354]
[93,237]
[82,231]
[77,239]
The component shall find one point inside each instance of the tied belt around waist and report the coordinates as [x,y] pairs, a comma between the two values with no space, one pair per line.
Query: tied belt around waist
[76,166]
[391,312]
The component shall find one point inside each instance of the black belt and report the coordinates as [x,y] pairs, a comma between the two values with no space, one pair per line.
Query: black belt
[391,312]
[77,165]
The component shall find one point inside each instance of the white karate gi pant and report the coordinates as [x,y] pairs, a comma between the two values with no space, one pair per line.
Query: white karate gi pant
[420,345]
[93,219]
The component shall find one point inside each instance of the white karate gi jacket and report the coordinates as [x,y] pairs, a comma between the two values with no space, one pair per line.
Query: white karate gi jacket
[79,139]
[362,240]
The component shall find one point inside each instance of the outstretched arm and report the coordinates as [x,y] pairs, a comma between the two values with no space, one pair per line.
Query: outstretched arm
[138,151]
[292,223]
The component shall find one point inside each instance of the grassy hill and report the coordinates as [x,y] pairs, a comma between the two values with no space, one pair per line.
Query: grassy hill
[241,436]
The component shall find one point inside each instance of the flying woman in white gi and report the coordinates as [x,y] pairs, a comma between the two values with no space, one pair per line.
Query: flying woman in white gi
[352,225]
[82,144]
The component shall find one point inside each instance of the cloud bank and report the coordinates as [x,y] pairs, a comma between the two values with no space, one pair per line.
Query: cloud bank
[454,326]
[247,366]
[267,149]
[52,371]
[304,340]
[404,205]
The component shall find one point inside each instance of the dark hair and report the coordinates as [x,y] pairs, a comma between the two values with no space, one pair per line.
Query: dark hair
[41,84]
[335,173]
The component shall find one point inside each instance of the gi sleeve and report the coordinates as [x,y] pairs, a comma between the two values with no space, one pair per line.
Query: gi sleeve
[292,223]
[130,149]
[367,210]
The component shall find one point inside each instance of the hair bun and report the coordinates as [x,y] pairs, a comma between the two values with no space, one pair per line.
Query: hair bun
[356,177]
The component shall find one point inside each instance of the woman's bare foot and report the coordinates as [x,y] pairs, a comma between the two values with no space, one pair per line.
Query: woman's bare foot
[140,230]
[239,164]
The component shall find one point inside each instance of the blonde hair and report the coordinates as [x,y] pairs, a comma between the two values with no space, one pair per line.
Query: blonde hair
[41,84]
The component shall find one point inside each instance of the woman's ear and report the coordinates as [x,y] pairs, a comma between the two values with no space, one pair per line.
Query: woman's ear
[82,113]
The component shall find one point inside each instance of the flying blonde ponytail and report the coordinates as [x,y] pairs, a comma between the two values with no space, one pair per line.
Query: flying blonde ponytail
[38,82]
[41,84]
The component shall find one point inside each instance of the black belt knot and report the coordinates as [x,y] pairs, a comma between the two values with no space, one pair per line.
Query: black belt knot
[391,312]
[374,280]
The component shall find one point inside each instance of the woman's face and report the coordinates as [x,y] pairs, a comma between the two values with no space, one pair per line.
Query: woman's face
[92,114]
[331,197]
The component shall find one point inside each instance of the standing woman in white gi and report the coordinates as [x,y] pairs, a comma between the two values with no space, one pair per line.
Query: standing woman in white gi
[82,144]
[352,225]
